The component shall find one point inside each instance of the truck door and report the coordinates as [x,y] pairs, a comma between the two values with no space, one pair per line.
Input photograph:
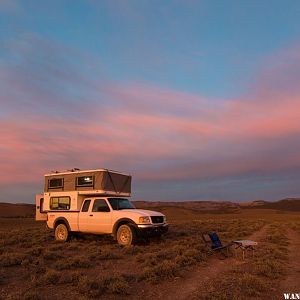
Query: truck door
[97,219]
[40,214]
[84,216]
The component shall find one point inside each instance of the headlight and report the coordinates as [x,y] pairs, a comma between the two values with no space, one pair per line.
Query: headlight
[145,220]
[165,219]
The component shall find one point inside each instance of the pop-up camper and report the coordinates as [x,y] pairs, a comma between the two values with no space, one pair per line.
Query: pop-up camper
[99,181]
[66,190]
[92,201]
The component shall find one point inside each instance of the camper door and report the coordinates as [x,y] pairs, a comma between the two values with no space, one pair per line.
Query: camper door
[40,214]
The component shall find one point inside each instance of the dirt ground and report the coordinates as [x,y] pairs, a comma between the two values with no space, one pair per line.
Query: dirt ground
[291,282]
[34,266]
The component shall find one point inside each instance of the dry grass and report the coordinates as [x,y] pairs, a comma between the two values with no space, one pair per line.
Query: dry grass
[96,287]
[244,286]
[2,276]
[95,266]
[255,276]
[12,259]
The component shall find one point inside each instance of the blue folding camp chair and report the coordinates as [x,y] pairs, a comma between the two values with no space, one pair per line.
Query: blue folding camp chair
[214,244]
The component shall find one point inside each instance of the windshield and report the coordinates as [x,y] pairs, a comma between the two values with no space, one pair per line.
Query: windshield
[120,203]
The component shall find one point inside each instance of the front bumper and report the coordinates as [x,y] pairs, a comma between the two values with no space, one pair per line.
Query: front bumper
[152,229]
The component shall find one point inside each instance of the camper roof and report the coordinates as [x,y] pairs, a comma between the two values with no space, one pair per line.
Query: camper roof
[77,171]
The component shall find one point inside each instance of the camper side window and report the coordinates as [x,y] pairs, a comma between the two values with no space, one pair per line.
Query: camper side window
[85,181]
[55,183]
[60,203]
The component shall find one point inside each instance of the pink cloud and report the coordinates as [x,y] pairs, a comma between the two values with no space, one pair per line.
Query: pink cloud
[147,130]
[126,137]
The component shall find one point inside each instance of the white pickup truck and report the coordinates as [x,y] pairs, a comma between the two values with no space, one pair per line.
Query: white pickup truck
[95,201]
[107,215]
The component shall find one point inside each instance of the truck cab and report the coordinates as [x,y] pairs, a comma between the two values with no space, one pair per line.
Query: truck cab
[108,215]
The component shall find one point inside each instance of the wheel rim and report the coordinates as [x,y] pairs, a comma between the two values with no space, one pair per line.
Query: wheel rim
[125,236]
[61,234]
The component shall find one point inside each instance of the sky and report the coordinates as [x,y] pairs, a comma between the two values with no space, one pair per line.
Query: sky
[197,100]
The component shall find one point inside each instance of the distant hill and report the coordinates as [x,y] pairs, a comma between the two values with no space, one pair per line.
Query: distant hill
[288,204]
[9,210]
[254,203]
[292,204]
[203,206]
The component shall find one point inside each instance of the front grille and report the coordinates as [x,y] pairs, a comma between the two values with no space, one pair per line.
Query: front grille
[157,219]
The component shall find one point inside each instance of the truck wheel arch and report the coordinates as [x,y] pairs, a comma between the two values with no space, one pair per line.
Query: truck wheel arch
[122,222]
[61,220]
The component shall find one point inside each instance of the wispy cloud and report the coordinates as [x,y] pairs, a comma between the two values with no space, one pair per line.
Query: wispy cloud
[58,115]
[10,6]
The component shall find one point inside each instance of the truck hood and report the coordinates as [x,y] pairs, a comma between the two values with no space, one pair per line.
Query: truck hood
[142,212]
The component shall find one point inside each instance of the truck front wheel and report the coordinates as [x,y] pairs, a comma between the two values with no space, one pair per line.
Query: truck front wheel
[61,233]
[126,235]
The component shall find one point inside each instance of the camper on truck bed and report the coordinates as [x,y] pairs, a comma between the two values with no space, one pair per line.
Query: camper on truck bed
[95,201]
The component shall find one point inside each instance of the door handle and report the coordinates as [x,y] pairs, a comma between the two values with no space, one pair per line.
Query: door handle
[91,215]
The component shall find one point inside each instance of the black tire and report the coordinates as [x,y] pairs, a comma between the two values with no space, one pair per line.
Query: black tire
[61,233]
[126,235]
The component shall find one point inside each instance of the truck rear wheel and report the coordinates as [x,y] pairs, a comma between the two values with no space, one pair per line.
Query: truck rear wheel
[61,233]
[126,235]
